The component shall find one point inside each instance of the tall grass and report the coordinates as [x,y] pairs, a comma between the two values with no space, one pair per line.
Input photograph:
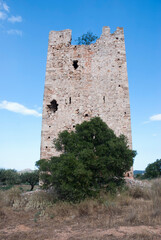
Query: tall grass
[133,206]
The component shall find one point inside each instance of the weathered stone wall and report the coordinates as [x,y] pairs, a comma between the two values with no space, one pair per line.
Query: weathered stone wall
[84,81]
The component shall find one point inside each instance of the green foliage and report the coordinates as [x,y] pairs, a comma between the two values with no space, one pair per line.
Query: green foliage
[153,170]
[9,177]
[30,177]
[139,176]
[86,39]
[93,158]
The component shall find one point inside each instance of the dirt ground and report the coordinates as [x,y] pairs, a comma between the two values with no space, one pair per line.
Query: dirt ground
[26,225]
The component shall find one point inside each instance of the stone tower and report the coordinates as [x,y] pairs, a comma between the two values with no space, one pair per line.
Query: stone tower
[84,81]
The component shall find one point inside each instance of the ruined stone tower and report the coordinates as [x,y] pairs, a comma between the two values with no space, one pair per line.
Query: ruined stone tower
[84,81]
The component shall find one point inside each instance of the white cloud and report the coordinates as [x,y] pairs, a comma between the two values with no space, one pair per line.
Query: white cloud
[3,15]
[155,117]
[6,7]
[18,108]
[14,19]
[14,32]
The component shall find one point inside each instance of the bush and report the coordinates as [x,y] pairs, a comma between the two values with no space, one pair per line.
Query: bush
[93,158]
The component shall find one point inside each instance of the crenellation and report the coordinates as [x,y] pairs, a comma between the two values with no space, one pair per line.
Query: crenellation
[84,81]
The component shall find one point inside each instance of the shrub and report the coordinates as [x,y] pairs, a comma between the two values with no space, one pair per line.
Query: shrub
[93,158]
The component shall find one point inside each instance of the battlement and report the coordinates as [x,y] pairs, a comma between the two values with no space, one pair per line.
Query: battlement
[64,37]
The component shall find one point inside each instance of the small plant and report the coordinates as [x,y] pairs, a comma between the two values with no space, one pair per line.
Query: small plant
[86,39]
[139,192]
[36,216]
[11,195]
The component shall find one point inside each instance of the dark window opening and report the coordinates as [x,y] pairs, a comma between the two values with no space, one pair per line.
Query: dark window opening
[77,111]
[104,99]
[53,106]
[70,100]
[117,38]
[86,115]
[48,137]
[49,126]
[73,126]
[119,85]
[118,59]
[75,64]
[46,147]
[119,66]
[125,113]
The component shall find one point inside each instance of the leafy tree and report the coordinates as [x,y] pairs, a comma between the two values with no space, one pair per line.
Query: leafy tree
[30,177]
[86,39]
[153,170]
[9,177]
[2,176]
[93,158]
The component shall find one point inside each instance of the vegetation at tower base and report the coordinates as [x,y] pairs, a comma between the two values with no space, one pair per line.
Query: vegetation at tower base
[86,39]
[153,170]
[93,159]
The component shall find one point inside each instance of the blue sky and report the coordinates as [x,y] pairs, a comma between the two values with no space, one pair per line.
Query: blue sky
[24,29]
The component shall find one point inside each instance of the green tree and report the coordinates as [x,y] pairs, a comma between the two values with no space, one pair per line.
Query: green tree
[93,158]
[153,170]
[30,177]
[2,176]
[86,39]
[9,177]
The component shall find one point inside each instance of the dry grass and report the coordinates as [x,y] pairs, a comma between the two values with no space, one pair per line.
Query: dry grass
[132,207]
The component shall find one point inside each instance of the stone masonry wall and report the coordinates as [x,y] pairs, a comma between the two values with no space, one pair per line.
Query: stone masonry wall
[84,81]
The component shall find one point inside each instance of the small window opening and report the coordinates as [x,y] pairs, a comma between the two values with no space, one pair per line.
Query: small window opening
[86,115]
[119,85]
[53,106]
[119,66]
[73,126]
[77,111]
[117,38]
[125,113]
[48,137]
[70,100]
[104,99]
[118,59]
[49,126]
[75,64]
[46,147]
